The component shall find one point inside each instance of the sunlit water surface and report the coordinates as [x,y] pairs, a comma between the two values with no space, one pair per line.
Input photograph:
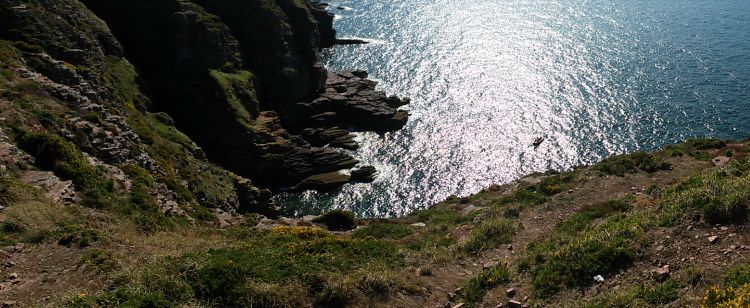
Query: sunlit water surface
[488,76]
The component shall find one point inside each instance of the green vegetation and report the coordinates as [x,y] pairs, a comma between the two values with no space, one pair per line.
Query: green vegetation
[489,234]
[721,196]
[66,161]
[384,231]
[476,288]
[101,259]
[578,250]
[696,148]
[629,163]
[337,220]
[279,263]
[643,295]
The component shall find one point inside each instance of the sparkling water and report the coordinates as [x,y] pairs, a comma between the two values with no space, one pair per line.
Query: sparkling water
[488,77]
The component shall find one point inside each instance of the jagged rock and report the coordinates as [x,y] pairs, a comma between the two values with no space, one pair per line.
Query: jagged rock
[365,174]
[254,200]
[514,304]
[713,239]
[56,189]
[324,182]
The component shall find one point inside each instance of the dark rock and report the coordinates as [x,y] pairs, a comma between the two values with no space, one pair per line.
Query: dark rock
[514,304]
[351,42]
[337,220]
[365,174]
[359,74]
[324,182]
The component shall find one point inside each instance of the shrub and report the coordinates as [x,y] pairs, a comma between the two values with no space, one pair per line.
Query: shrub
[660,294]
[728,297]
[337,220]
[66,161]
[639,161]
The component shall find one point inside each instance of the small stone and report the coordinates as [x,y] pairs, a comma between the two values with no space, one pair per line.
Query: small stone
[13,276]
[419,225]
[661,273]
[458,290]
[525,298]
[724,228]
[713,239]
[459,305]
[7,303]
[510,247]
[490,264]
[500,305]
[451,295]
[690,228]
[18,247]
[510,292]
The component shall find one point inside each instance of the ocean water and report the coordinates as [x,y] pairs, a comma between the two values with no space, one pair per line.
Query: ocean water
[486,77]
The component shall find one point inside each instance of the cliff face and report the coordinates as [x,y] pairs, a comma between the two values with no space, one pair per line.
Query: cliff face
[131,84]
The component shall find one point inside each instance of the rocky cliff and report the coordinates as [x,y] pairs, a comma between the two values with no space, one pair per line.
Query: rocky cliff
[194,103]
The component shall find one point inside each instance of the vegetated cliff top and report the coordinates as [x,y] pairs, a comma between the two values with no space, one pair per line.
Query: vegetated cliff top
[654,228]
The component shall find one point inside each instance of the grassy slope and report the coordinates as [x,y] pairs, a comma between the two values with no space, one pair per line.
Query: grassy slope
[460,255]
[620,219]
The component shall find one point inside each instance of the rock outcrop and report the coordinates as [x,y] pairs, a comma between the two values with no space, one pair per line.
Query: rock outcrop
[187,103]
[242,79]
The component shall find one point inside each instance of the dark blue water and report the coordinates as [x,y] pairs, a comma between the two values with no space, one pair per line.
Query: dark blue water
[486,77]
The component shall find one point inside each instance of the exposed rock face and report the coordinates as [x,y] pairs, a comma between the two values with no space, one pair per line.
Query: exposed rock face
[58,190]
[227,71]
[94,102]
[239,77]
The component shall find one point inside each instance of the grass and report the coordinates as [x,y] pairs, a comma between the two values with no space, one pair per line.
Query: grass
[578,250]
[696,148]
[642,295]
[630,163]
[284,263]
[489,234]
[721,196]
[476,288]
[384,231]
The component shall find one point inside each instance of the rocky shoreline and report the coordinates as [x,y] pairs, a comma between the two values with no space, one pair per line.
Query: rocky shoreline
[235,84]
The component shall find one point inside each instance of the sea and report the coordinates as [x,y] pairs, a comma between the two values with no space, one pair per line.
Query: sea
[486,78]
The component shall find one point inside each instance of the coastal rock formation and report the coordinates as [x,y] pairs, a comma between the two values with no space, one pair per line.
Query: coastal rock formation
[241,78]
[183,104]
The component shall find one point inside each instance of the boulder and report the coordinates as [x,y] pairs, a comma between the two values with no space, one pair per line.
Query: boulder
[324,182]
[365,174]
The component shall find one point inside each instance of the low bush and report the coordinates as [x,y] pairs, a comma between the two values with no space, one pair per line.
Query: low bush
[630,163]
[337,220]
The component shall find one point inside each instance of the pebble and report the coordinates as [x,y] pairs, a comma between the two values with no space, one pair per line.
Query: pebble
[713,239]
